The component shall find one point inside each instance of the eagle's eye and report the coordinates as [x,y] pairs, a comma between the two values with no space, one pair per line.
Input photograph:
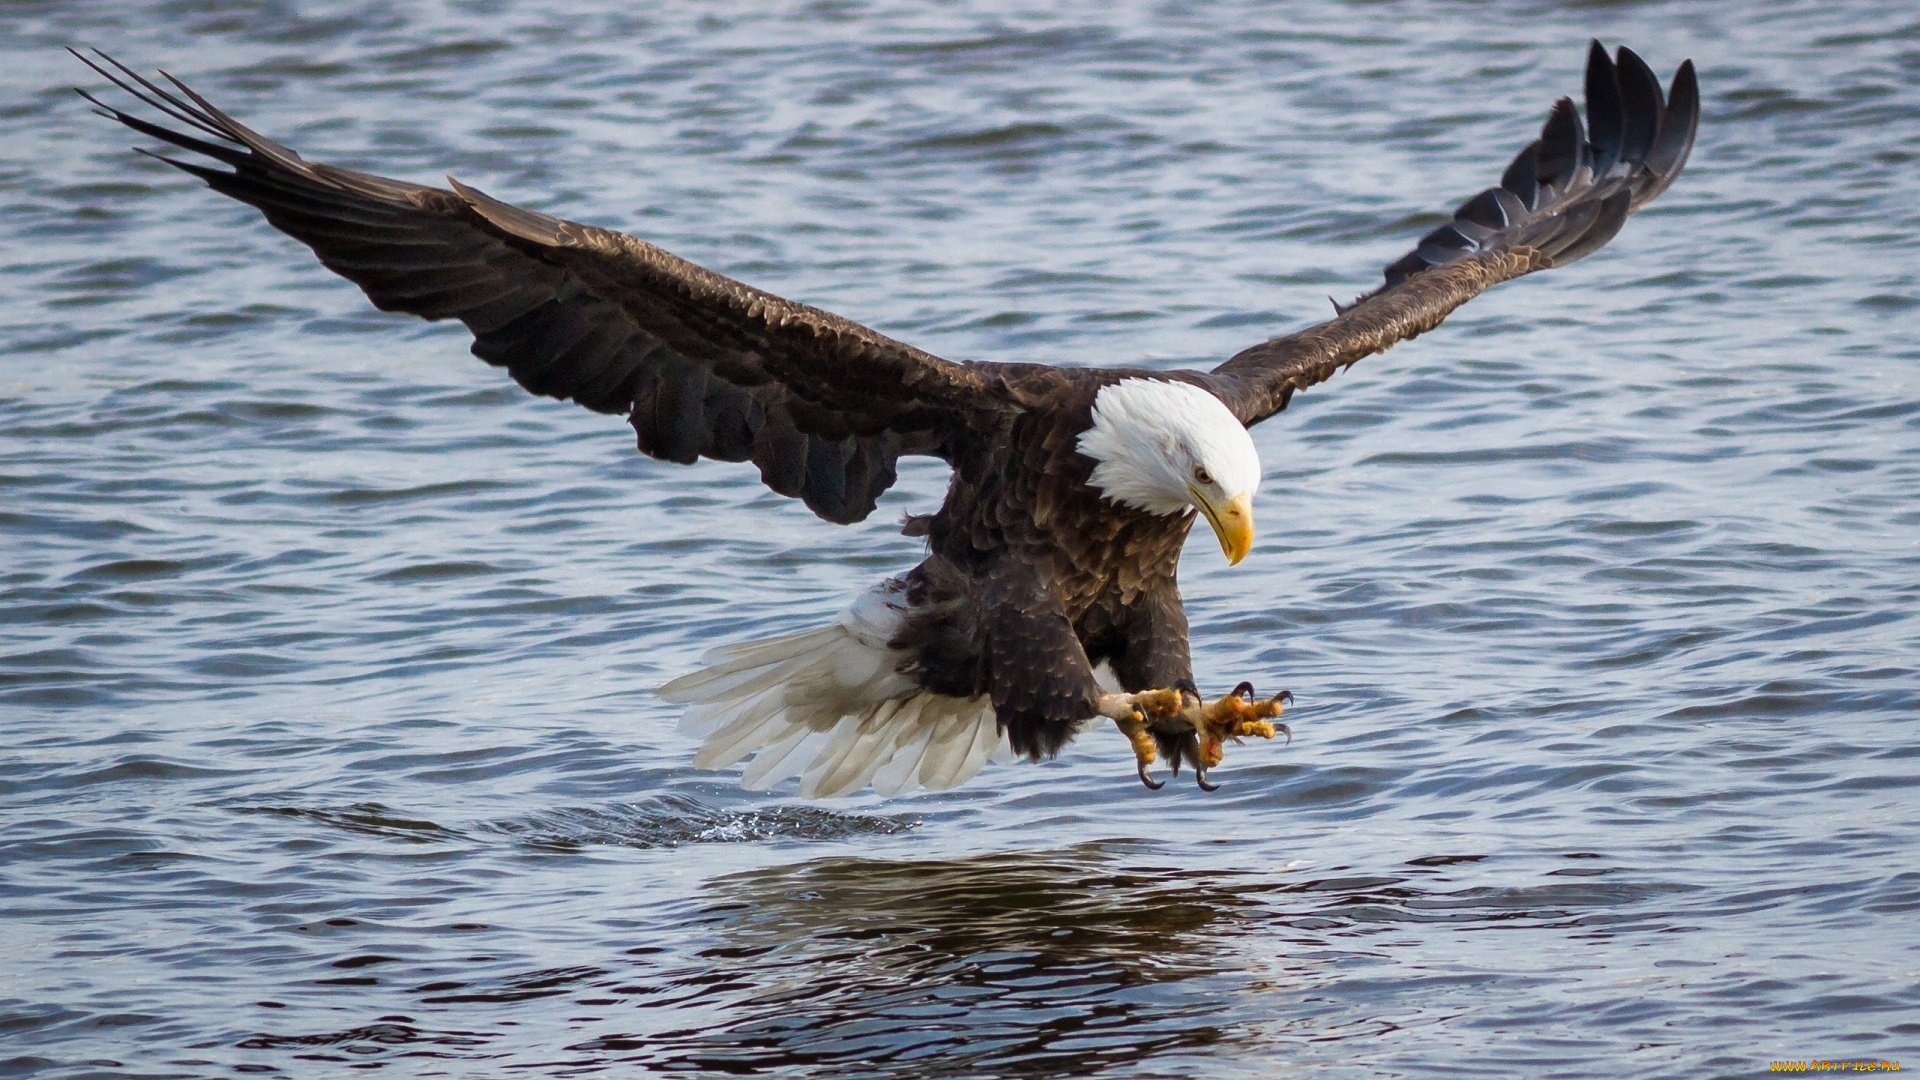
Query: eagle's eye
[1201,475]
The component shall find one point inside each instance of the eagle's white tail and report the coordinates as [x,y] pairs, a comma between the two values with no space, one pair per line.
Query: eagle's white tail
[831,706]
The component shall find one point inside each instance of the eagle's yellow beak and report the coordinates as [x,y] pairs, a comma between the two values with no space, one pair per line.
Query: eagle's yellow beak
[1232,523]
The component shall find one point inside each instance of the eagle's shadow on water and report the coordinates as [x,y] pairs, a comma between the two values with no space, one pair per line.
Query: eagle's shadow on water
[1050,963]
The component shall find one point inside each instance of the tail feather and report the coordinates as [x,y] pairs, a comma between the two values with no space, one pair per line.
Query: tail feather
[833,707]
[761,721]
[737,685]
[782,760]
[901,773]
[706,717]
[751,658]
[858,749]
[765,650]
[985,741]
[945,750]
[952,758]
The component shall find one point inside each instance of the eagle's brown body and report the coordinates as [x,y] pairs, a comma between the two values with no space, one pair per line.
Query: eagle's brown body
[1033,579]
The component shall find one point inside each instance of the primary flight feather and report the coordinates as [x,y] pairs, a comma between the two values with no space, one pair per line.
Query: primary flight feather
[1073,489]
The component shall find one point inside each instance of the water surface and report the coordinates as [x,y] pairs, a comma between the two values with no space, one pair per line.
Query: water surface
[325,655]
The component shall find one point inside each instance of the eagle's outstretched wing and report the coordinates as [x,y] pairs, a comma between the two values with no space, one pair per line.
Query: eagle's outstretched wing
[701,365]
[1563,198]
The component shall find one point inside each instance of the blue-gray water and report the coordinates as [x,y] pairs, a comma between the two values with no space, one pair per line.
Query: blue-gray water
[325,653]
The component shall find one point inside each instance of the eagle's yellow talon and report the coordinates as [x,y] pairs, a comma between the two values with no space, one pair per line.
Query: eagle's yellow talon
[1136,733]
[1135,729]
[1234,716]
[1212,750]
[1181,714]
[1159,704]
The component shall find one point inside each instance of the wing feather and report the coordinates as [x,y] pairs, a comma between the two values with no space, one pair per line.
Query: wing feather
[700,364]
[1564,197]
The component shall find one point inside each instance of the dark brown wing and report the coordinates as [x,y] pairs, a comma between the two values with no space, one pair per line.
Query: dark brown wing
[701,365]
[1563,198]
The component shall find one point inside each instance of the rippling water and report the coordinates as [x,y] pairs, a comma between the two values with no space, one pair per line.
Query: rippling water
[325,656]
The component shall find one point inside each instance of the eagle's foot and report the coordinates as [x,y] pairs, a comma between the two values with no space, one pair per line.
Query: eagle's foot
[1181,724]
[1137,715]
[1236,716]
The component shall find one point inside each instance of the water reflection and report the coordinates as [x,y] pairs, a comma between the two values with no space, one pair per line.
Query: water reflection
[1112,956]
[1089,959]
[1015,964]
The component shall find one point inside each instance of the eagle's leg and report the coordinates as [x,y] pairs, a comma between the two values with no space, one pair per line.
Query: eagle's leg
[1136,715]
[1237,715]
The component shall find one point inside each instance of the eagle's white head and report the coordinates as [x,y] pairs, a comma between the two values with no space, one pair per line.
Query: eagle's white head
[1165,447]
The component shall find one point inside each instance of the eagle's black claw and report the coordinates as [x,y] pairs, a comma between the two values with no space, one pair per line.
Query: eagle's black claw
[1284,730]
[1200,777]
[1244,692]
[1189,691]
[1285,697]
[1152,784]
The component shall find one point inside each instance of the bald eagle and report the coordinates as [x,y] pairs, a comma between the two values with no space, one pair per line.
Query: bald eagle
[1047,601]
